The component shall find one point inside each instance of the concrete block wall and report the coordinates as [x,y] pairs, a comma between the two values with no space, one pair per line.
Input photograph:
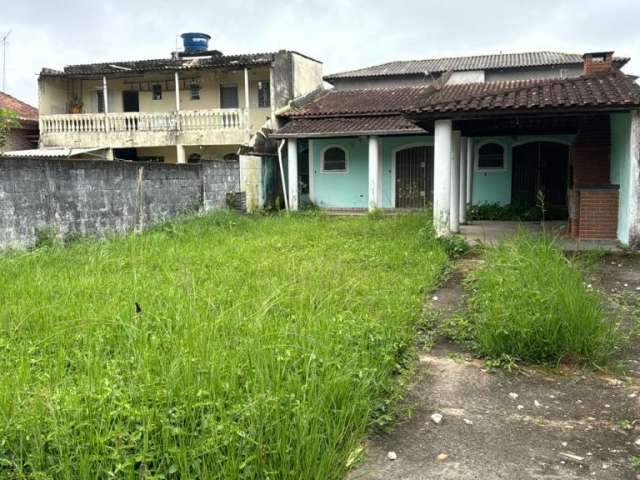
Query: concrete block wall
[99,197]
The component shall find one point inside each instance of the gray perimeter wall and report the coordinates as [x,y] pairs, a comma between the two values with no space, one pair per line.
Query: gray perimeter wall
[87,197]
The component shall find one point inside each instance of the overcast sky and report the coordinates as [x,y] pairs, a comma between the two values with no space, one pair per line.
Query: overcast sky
[344,34]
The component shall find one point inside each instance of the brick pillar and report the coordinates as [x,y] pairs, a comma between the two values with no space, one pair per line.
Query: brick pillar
[598,214]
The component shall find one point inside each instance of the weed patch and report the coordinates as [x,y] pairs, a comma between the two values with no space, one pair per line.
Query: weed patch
[529,303]
[218,347]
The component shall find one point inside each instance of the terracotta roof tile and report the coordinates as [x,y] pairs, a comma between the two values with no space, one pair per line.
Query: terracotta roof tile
[24,110]
[608,90]
[347,126]
[362,101]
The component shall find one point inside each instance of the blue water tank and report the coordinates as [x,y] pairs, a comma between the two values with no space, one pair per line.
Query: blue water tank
[195,42]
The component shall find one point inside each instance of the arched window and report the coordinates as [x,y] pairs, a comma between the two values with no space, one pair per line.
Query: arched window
[231,156]
[194,158]
[334,160]
[491,156]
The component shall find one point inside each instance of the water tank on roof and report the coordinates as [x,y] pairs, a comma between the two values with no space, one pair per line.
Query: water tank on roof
[195,42]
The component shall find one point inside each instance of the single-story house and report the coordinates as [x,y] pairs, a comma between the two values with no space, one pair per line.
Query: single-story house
[567,140]
[25,135]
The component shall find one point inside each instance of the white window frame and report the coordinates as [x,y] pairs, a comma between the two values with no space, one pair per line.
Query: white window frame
[346,160]
[476,161]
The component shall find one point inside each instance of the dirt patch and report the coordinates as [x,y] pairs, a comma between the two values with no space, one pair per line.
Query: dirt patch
[530,425]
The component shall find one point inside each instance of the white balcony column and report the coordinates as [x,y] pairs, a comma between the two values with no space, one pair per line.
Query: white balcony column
[292,158]
[246,98]
[177,82]
[374,173]
[442,176]
[469,186]
[105,94]
[454,220]
[462,197]
[180,154]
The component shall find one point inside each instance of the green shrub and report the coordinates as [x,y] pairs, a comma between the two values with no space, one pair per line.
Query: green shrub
[514,212]
[530,302]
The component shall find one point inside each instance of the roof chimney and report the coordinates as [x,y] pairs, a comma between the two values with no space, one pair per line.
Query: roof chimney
[597,62]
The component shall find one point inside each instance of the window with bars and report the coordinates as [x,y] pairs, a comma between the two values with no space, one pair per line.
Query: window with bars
[491,157]
[264,95]
[157,91]
[334,160]
[195,91]
[100,97]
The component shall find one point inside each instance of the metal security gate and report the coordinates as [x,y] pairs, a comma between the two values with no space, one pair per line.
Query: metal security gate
[414,177]
[540,166]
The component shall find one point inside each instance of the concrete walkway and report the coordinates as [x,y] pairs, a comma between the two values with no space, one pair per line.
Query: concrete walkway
[530,425]
[493,232]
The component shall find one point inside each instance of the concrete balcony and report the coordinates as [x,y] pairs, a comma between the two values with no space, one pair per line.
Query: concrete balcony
[146,129]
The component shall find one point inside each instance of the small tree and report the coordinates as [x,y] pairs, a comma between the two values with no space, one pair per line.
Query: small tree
[8,120]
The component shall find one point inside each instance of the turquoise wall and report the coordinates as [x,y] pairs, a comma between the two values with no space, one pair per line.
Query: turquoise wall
[350,189]
[620,168]
[494,186]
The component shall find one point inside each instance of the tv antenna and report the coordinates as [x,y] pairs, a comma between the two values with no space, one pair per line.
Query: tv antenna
[4,41]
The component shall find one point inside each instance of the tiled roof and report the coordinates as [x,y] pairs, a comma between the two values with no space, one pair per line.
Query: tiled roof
[601,92]
[478,62]
[219,61]
[347,126]
[24,110]
[362,101]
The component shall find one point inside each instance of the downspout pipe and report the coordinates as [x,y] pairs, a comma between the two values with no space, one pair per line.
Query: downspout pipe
[284,184]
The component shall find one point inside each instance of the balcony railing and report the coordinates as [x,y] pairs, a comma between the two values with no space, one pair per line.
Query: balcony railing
[183,121]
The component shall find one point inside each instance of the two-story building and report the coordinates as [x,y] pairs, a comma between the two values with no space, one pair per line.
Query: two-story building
[197,103]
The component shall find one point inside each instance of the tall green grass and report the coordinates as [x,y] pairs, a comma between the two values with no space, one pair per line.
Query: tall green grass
[530,302]
[262,347]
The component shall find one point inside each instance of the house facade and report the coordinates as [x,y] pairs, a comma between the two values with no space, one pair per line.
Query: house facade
[25,134]
[199,103]
[448,133]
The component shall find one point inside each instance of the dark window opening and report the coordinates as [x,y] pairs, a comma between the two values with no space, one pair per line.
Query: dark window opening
[264,95]
[194,158]
[491,155]
[151,158]
[100,95]
[231,156]
[157,92]
[303,171]
[229,96]
[195,91]
[334,160]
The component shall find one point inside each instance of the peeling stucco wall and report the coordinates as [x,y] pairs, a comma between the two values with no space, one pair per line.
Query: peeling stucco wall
[99,197]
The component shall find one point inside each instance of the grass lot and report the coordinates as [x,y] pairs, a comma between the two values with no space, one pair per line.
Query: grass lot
[263,349]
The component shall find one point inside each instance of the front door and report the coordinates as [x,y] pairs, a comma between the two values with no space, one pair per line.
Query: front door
[540,166]
[414,177]
[130,101]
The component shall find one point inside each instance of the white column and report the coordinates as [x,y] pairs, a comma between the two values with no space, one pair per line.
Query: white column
[312,173]
[180,154]
[442,176]
[292,158]
[177,82]
[454,221]
[634,181]
[105,94]
[469,170]
[374,173]
[246,88]
[462,197]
